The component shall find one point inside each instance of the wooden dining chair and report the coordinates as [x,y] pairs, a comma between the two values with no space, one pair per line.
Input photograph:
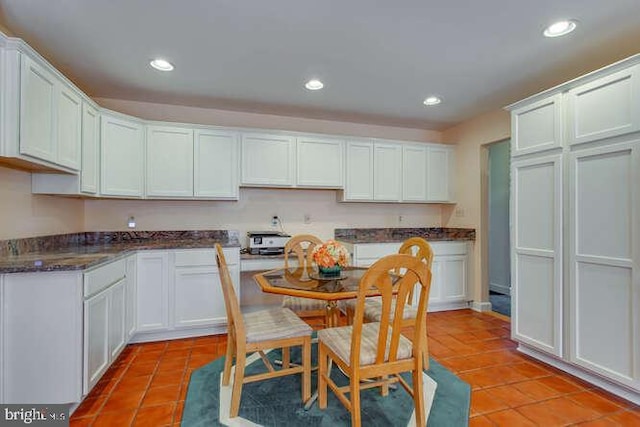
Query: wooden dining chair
[378,350]
[301,247]
[421,249]
[256,332]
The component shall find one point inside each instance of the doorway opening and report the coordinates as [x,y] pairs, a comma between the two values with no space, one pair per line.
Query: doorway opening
[498,254]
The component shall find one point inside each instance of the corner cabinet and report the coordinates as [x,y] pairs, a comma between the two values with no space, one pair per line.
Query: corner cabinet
[577,305]
[122,156]
[179,293]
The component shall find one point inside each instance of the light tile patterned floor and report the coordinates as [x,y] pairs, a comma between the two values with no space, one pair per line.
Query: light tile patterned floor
[148,383]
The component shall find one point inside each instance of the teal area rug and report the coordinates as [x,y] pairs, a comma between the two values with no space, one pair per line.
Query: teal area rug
[277,402]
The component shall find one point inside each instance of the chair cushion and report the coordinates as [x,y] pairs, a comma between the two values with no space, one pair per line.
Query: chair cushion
[299,304]
[373,309]
[273,324]
[339,340]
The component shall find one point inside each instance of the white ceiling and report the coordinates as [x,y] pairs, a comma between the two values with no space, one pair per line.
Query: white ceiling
[378,59]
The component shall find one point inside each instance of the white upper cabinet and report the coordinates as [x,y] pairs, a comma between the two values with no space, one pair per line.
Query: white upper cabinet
[50,116]
[605,107]
[122,155]
[537,126]
[387,167]
[320,162]
[90,149]
[169,161]
[440,174]
[37,106]
[268,160]
[359,171]
[414,173]
[216,164]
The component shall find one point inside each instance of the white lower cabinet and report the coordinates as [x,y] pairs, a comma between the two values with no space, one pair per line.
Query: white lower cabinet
[130,297]
[152,282]
[96,339]
[449,281]
[179,292]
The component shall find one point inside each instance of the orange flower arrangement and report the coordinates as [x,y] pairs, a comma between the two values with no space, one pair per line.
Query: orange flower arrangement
[330,254]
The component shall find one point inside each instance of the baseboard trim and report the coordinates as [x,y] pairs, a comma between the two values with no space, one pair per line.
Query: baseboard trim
[618,390]
[141,337]
[501,289]
[480,306]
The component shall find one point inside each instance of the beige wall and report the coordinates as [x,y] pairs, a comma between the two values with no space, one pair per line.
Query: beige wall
[254,211]
[471,138]
[208,116]
[25,215]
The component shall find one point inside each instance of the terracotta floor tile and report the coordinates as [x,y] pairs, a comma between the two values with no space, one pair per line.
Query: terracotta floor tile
[510,396]
[596,402]
[162,381]
[170,377]
[143,368]
[104,387]
[133,383]
[181,343]
[559,411]
[90,406]
[120,401]
[177,415]
[483,401]
[81,422]
[480,421]
[509,418]
[155,416]
[536,390]
[600,422]
[531,371]
[625,418]
[561,384]
[177,352]
[121,418]
[161,395]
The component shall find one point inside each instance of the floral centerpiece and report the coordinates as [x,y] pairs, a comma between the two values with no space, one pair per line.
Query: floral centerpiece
[330,257]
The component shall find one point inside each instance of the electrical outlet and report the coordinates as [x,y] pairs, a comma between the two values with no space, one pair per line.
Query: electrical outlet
[131,222]
[274,221]
[459,212]
[307,218]
[400,219]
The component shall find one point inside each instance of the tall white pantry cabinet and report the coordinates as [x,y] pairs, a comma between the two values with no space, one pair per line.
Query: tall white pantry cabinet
[575,220]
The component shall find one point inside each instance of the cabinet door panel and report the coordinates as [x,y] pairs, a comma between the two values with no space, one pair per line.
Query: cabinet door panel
[130,297]
[454,280]
[169,162]
[122,166]
[152,291]
[604,294]
[268,160]
[439,174]
[414,169]
[198,297]
[216,164]
[69,127]
[117,309]
[37,107]
[96,339]
[90,149]
[606,107]
[320,162]
[536,241]
[537,127]
[359,171]
[387,178]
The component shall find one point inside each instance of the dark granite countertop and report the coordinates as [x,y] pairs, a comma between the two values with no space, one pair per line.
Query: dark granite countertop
[395,235]
[80,251]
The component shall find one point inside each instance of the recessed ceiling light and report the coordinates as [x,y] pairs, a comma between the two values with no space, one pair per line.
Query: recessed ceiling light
[432,100]
[560,28]
[161,64]
[314,84]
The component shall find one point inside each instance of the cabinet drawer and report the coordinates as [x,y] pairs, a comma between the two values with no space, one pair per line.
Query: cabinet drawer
[102,277]
[204,257]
